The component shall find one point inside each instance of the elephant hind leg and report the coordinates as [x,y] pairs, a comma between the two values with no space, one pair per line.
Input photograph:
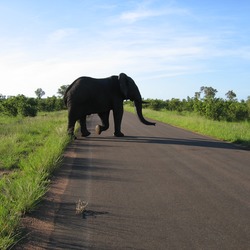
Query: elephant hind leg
[83,125]
[105,122]
[71,127]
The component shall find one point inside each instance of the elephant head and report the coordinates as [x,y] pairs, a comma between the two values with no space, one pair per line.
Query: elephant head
[131,91]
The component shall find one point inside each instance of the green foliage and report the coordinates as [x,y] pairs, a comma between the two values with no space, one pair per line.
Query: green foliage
[209,92]
[236,111]
[209,106]
[62,90]
[214,109]
[50,104]
[248,106]
[230,95]
[20,104]
[24,106]
[155,104]
[9,107]
[39,93]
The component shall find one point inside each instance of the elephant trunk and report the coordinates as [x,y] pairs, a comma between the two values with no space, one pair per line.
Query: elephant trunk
[138,106]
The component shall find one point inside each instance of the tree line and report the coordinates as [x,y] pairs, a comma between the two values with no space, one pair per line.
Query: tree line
[205,103]
[26,106]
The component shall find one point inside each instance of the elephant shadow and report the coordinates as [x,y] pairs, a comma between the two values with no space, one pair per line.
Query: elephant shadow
[192,142]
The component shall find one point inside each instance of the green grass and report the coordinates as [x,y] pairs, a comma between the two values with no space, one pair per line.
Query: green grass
[30,150]
[236,132]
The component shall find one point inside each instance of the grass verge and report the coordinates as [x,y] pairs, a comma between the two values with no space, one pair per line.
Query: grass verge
[31,148]
[235,132]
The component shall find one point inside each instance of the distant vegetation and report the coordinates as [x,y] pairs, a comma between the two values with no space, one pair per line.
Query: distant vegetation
[24,106]
[205,104]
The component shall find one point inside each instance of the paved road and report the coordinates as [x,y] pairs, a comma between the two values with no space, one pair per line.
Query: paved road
[157,188]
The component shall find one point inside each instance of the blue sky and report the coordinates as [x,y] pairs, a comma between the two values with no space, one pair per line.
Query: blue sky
[170,48]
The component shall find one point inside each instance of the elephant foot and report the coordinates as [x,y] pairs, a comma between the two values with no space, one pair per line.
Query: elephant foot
[118,134]
[98,129]
[85,133]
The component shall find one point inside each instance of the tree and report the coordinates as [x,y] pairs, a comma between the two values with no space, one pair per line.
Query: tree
[2,97]
[209,92]
[197,95]
[230,95]
[62,90]
[39,93]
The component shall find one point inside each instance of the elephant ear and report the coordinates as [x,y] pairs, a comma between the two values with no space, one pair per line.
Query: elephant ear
[123,84]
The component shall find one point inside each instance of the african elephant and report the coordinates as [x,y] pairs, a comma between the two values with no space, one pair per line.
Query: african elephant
[88,95]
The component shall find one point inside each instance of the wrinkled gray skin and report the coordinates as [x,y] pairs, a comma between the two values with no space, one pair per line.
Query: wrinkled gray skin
[88,95]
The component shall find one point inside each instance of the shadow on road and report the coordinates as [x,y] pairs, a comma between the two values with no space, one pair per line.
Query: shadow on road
[82,169]
[208,143]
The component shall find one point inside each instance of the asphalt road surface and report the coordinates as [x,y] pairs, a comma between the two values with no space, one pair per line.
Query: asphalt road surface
[157,188]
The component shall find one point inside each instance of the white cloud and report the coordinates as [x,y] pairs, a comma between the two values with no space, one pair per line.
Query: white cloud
[60,34]
[143,12]
[146,60]
[134,16]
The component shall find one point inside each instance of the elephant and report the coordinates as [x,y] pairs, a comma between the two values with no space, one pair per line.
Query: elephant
[87,95]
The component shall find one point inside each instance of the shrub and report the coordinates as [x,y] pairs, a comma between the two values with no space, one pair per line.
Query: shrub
[20,104]
[9,107]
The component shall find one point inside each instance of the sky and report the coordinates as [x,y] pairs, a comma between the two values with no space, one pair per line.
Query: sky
[169,47]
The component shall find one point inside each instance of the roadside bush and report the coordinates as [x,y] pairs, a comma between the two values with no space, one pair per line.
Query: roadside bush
[248,106]
[156,104]
[9,107]
[19,105]
[237,111]
[25,106]
[214,109]
[28,110]
[175,104]
[50,104]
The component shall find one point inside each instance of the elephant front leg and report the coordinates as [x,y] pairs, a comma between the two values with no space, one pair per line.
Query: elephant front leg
[105,122]
[83,125]
[118,113]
